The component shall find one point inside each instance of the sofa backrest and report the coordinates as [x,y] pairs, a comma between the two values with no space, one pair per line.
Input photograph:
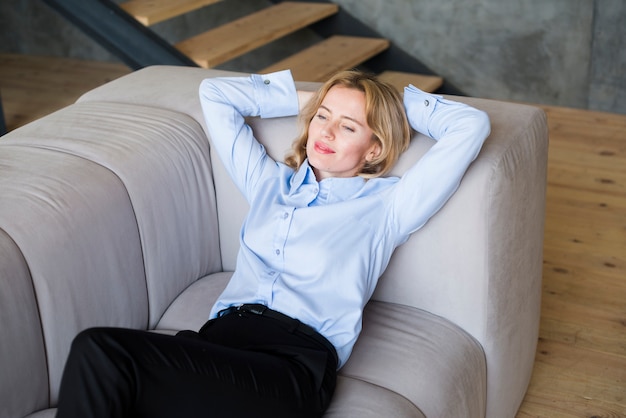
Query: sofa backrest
[112,209]
[24,378]
[79,243]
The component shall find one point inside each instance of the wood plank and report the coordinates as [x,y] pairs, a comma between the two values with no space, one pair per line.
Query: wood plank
[573,290]
[604,234]
[399,80]
[322,60]
[249,32]
[607,179]
[33,87]
[580,368]
[599,212]
[571,382]
[585,204]
[149,12]
[596,157]
[585,128]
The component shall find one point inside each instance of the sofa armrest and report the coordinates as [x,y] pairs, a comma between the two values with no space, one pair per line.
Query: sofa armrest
[478,262]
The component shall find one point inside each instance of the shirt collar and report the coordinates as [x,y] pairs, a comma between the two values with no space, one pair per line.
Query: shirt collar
[304,175]
[330,190]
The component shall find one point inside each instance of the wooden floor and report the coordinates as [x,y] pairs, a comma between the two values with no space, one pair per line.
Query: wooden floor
[31,87]
[580,368]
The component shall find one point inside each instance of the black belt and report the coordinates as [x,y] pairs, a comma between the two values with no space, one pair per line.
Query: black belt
[292,324]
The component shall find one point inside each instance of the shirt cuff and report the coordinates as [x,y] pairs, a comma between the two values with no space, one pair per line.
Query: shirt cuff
[275,94]
[419,106]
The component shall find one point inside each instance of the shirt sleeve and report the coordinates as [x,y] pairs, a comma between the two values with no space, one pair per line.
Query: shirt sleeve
[460,131]
[226,102]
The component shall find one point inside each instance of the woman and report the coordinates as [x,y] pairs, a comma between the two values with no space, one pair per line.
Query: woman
[320,232]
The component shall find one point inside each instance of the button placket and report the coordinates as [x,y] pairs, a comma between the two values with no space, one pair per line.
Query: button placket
[264,291]
[282,230]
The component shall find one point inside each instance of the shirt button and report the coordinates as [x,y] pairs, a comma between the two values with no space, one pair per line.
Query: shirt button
[272,273]
[266,81]
[426,103]
[285,215]
[277,252]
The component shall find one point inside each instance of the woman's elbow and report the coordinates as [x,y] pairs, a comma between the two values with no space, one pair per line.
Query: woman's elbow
[482,124]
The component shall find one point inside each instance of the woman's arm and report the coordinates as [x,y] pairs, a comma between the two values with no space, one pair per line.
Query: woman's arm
[226,102]
[460,131]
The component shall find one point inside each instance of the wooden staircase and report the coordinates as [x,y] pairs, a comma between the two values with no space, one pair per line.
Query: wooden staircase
[219,45]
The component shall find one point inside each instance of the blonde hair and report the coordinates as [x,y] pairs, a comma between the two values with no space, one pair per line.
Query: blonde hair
[385,115]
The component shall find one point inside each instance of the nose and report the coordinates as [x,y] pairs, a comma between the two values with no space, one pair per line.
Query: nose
[328,131]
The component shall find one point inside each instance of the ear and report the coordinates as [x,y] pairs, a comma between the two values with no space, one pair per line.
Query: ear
[373,152]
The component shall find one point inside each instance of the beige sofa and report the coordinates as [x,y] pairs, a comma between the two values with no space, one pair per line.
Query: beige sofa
[114,211]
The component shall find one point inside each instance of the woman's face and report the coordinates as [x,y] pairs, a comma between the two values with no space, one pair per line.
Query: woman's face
[339,139]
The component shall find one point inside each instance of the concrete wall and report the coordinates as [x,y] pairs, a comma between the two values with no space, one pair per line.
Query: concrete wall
[561,52]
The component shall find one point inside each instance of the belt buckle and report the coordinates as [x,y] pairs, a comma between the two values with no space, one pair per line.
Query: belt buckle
[255,308]
[228,311]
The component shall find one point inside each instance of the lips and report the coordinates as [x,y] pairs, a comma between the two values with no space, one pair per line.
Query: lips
[323,148]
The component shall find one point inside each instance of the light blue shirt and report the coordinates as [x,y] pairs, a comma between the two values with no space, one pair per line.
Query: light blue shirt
[315,250]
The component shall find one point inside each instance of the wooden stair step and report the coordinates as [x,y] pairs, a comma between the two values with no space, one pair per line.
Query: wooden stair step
[249,32]
[399,80]
[149,12]
[320,61]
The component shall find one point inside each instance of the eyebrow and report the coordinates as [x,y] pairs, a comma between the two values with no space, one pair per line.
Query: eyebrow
[342,116]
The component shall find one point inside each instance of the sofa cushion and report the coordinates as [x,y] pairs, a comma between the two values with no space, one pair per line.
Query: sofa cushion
[44,413]
[422,357]
[404,357]
[191,309]
[353,399]
[357,399]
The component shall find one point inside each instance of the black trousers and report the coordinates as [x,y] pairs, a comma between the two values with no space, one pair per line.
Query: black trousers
[239,365]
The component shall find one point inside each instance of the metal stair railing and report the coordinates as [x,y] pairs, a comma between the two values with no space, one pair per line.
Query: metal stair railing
[121,34]
[3,125]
